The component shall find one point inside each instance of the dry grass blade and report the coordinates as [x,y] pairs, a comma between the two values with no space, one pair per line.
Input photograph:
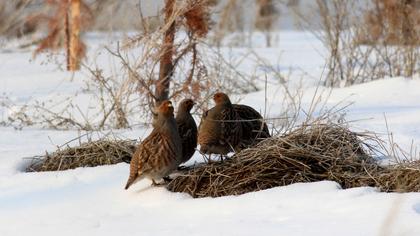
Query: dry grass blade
[89,154]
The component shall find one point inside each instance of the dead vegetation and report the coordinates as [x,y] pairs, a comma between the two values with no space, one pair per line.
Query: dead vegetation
[359,43]
[309,153]
[392,22]
[88,154]
[267,15]
[64,20]
[12,18]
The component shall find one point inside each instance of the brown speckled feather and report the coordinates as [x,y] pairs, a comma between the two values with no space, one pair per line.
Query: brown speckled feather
[228,126]
[159,154]
[253,126]
[231,130]
[219,131]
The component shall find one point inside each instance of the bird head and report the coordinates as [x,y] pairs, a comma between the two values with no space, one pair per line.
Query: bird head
[221,98]
[186,105]
[166,108]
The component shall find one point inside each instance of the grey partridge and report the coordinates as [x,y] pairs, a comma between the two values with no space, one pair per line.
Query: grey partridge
[253,126]
[187,129]
[219,130]
[160,153]
[230,127]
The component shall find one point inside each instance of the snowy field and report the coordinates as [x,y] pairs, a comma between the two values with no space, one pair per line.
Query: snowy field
[91,201]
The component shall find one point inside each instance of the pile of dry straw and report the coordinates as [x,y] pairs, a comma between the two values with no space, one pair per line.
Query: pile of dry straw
[88,154]
[308,153]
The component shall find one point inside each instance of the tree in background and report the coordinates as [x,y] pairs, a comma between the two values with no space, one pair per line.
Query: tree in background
[65,22]
[166,67]
[231,19]
[12,18]
[393,22]
[267,14]
[195,18]
[75,48]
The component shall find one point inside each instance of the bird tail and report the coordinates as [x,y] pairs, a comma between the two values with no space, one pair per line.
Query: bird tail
[130,181]
[134,174]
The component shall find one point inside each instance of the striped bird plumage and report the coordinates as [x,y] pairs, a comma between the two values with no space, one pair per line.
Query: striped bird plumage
[219,131]
[230,127]
[253,125]
[160,153]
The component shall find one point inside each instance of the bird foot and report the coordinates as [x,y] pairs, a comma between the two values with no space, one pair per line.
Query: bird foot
[166,179]
[181,168]
[156,184]
[207,158]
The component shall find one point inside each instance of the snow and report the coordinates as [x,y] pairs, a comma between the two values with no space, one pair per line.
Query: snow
[91,201]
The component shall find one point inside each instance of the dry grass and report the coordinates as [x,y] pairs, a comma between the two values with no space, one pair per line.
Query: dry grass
[88,154]
[360,50]
[403,177]
[309,153]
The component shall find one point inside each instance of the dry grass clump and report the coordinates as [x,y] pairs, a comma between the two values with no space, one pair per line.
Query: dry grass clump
[309,153]
[89,154]
[306,154]
[402,177]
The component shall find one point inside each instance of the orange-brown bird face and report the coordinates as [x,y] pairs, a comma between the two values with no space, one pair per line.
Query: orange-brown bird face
[166,108]
[221,98]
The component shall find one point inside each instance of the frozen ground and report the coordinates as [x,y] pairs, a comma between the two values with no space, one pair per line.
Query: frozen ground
[91,201]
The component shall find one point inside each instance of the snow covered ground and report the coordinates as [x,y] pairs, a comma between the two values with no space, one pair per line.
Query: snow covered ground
[91,201]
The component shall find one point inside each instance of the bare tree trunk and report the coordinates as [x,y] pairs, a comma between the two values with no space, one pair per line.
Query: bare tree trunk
[166,57]
[74,42]
[226,23]
[407,26]
[267,14]
[67,38]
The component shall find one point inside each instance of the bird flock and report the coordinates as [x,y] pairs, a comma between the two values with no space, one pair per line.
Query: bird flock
[224,128]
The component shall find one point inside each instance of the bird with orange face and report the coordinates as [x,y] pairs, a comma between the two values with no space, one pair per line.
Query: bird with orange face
[218,131]
[230,127]
[161,152]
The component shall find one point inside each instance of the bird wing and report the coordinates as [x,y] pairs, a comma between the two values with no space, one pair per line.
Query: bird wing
[188,132]
[231,129]
[252,122]
[140,158]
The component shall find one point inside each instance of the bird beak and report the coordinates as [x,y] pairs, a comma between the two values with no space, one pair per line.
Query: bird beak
[170,105]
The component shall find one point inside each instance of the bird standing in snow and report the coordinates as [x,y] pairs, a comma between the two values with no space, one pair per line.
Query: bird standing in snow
[187,129]
[160,153]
